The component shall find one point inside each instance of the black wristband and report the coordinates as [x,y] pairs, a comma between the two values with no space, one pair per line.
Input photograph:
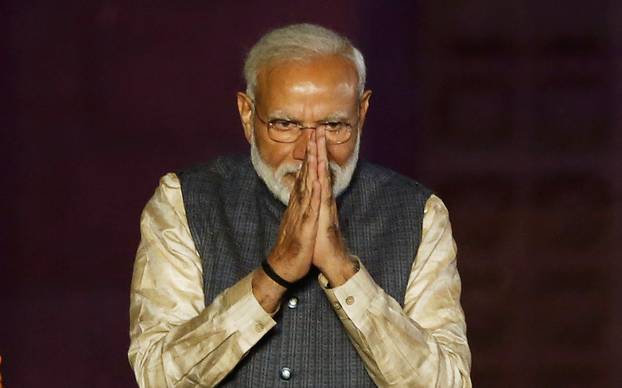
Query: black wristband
[274,276]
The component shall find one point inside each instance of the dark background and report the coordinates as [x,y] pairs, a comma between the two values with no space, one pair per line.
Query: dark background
[509,109]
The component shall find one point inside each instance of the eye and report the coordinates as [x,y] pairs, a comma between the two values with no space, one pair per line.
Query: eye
[334,126]
[283,125]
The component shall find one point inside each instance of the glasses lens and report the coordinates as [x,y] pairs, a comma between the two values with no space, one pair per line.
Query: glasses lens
[283,135]
[338,136]
[289,134]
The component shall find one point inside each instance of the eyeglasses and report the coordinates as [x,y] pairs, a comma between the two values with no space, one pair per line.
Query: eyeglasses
[289,131]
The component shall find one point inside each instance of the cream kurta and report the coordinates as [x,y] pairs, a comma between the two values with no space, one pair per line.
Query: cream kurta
[177,341]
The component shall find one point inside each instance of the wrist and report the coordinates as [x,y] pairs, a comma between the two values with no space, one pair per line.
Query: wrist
[268,270]
[286,268]
[340,269]
[267,292]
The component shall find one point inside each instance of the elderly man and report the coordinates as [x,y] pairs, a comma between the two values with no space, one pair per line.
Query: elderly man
[297,265]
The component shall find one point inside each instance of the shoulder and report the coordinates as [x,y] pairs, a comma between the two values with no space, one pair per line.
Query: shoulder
[223,167]
[166,201]
[168,190]
[385,179]
[436,207]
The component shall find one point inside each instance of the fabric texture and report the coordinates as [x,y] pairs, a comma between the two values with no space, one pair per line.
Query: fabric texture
[415,305]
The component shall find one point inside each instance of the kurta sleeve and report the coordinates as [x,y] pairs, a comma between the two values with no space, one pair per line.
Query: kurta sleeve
[175,340]
[423,343]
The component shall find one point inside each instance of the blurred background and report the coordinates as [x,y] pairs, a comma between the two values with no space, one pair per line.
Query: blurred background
[509,110]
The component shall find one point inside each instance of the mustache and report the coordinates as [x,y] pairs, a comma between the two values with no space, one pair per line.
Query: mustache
[287,168]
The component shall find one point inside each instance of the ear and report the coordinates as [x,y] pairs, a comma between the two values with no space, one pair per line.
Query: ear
[245,108]
[363,106]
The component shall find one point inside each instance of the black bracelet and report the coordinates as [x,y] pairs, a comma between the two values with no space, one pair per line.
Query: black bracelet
[274,276]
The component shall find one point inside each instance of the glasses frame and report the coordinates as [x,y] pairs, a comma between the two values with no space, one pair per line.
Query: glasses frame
[269,126]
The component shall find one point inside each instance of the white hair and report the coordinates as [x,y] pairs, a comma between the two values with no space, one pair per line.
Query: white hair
[299,42]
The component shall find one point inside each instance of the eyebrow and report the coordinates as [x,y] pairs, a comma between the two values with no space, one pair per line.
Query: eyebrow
[280,115]
[337,116]
[334,116]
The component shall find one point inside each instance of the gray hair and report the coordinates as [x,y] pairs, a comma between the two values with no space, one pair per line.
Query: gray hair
[299,42]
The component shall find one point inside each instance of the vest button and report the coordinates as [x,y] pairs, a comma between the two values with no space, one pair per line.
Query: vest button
[292,303]
[285,373]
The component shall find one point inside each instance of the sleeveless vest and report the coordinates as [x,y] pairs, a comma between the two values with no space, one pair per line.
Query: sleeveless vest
[234,220]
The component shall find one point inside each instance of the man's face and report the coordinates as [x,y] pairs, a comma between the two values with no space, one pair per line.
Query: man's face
[316,90]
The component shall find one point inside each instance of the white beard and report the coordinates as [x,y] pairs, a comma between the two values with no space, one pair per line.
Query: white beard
[274,178]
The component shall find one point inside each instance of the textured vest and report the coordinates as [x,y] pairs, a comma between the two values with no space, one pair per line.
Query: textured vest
[234,221]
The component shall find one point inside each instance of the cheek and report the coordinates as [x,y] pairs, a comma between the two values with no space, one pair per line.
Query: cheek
[341,153]
[272,153]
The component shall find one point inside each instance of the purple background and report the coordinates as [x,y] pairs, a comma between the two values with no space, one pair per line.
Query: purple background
[508,109]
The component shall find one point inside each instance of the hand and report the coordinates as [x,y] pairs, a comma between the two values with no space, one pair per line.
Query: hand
[330,254]
[292,254]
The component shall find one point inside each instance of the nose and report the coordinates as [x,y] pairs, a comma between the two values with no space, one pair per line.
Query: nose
[300,147]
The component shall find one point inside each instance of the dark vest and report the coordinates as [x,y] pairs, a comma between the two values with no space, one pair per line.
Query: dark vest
[234,220]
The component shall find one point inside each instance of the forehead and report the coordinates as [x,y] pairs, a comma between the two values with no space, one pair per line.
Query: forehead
[324,80]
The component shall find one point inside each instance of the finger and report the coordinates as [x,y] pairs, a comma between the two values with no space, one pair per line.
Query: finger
[312,163]
[322,153]
[324,164]
[305,185]
[304,162]
[304,170]
[312,214]
[315,202]
[308,163]
[328,214]
[314,192]
[325,215]
[327,188]
[297,190]
[321,145]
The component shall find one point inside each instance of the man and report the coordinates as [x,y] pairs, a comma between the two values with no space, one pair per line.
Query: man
[299,266]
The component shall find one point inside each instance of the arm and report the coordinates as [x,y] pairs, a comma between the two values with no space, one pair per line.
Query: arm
[177,341]
[424,343]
